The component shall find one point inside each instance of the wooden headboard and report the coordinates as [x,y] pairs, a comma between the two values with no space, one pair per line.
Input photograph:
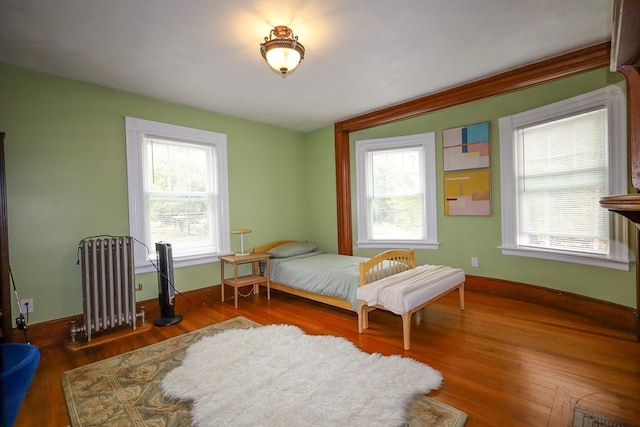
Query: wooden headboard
[265,248]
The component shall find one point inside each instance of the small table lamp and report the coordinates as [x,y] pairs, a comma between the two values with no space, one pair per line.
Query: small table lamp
[241,232]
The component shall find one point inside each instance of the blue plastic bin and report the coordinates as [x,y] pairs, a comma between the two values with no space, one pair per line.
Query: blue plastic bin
[18,363]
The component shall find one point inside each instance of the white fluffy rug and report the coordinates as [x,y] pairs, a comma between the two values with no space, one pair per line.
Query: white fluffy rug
[279,376]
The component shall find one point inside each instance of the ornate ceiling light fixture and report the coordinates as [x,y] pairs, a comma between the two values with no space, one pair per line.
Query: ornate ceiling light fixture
[281,50]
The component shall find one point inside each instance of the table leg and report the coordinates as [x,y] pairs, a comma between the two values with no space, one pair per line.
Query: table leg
[235,296]
[235,287]
[222,279]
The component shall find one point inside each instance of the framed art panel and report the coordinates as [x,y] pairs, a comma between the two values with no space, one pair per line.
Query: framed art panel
[467,193]
[466,147]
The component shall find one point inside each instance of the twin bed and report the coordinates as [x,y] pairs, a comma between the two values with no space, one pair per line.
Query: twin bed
[389,280]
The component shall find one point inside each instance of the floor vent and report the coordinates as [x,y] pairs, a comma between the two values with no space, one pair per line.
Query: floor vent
[584,418]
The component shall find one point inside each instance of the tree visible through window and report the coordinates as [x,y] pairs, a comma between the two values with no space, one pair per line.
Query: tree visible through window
[179,192]
[397,197]
[396,192]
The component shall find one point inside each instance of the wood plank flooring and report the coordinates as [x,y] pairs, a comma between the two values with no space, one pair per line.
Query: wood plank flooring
[504,362]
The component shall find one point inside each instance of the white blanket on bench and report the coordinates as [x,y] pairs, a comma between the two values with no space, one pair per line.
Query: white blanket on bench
[389,292]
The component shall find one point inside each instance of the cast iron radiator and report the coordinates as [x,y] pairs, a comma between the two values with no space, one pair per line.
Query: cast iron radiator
[108,285]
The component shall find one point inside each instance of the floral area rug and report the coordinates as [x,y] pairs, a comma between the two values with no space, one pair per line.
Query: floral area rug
[125,390]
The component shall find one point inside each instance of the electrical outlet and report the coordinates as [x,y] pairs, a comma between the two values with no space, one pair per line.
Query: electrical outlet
[26,305]
[474,261]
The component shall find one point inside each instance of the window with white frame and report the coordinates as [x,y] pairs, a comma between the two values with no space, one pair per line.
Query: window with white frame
[396,192]
[556,163]
[177,181]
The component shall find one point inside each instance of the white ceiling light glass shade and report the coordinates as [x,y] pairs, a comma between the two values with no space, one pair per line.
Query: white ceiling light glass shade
[282,50]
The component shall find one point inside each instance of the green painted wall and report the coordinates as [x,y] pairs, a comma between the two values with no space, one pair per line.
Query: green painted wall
[464,237]
[321,188]
[66,180]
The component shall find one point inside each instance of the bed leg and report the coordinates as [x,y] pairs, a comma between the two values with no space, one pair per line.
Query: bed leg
[406,329]
[461,292]
[362,317]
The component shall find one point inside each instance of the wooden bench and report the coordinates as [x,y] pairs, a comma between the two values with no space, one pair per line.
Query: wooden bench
[407,292]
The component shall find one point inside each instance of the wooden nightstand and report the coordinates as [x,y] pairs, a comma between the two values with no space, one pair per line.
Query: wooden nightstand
[254,279]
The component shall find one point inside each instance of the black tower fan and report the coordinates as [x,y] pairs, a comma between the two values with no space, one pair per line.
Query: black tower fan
[166,290]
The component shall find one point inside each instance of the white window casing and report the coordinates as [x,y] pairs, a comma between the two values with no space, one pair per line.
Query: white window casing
[212,191]
[613,100]
[413,228]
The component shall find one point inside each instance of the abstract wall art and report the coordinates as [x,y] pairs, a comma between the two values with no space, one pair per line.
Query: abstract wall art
[466,147]
[467,193]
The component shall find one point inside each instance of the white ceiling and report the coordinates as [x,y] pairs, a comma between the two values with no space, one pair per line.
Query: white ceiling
[362,55]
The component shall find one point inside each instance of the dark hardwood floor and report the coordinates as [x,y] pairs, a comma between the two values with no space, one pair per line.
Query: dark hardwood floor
[504,362]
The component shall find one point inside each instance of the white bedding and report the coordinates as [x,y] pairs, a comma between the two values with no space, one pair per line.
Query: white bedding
[404,291]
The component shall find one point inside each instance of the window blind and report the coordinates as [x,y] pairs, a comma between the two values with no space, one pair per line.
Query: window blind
[562,173]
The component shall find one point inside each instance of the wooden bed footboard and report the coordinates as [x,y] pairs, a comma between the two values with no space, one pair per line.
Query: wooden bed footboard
[385,264]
